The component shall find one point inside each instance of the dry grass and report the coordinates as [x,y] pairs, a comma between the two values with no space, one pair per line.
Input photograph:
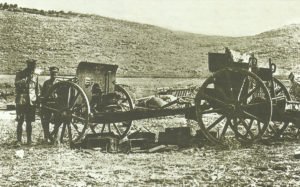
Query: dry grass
[139,49]
[42,165]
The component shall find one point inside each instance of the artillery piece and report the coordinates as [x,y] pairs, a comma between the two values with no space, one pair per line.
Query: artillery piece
[242,99]
[73,103]
[238,100]
[92,102]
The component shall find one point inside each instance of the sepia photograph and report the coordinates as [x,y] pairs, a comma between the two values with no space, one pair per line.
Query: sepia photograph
[149,93]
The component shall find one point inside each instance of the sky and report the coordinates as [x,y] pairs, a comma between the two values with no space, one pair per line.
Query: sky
[213,17]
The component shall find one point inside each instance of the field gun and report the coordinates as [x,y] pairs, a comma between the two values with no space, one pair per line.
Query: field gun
[239,100]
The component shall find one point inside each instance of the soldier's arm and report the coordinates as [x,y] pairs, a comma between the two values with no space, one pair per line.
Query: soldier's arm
[20,80]
[44,89]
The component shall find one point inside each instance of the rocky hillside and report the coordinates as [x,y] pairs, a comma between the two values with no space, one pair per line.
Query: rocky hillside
[138,49]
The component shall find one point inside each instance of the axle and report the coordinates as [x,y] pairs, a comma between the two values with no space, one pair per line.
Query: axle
[136,114]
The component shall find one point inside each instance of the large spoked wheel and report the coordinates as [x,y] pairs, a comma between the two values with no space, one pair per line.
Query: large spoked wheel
[233,103]
[277,127]
[124,103]
[67,109]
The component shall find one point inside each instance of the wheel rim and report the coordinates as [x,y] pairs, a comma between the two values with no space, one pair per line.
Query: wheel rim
[276,128]
[69,110]
[121,129]
[228,105]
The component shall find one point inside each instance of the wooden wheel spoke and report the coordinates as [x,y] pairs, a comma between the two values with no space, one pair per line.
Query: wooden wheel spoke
[123,100]
[69,97]
[251,122]
[272,129]
[255,105]
[109,128]
[125,106]
[72,104]
[232,126]
[218,110]
[118,130]
[251,92]
[215,122]
[251,116]
[78,107]
[75,127]
[103,127]
[92,127]
[126,123]
[242,88]
[259,127]
[55,130]
[81,119]
[278,91]
[213,99]
[248,128]
[225,129]
[51,109]
[251,134]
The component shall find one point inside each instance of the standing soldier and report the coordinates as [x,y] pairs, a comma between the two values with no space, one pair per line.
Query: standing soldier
[27,92]
[46,115]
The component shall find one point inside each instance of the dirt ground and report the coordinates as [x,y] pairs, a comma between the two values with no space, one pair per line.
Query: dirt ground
[44,165]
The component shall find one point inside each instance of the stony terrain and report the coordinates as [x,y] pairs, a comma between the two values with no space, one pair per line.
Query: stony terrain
[45,165]
[139,49]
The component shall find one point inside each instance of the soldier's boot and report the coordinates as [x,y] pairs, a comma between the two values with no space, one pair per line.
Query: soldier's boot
[29,132]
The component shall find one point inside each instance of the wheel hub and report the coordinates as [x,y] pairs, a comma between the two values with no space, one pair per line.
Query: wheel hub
[235,109]
[66,115]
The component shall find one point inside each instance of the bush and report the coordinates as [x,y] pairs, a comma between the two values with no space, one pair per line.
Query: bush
[15,8]
[42,12]
[5,6]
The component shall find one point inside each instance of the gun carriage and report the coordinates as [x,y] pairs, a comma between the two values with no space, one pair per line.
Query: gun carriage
[92,102]
[238,100]
[241,99]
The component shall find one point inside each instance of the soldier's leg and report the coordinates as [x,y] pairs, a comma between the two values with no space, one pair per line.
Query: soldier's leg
[20,120]
[45,124]
[46,130]
[63,131]
[54,134]
[28,131]
[29,117]
[19,129]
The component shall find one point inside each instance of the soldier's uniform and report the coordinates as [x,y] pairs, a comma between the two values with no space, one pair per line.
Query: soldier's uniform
[46,114]
[27,92]
[50,82]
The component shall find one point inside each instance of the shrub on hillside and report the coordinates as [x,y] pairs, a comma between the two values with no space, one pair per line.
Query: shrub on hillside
[15,8]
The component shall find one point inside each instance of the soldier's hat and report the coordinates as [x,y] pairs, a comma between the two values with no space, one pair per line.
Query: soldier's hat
[54,69]
[31,62]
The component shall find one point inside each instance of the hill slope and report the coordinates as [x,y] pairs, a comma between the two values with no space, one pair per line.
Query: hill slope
[138,49]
